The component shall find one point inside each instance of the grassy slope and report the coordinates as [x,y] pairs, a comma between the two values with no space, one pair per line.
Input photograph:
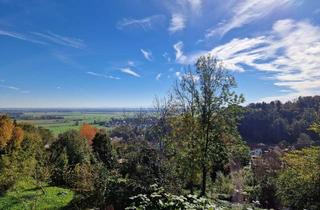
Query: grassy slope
[26,195]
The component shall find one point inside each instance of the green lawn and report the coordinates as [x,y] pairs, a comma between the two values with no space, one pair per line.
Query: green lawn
[58,126]
[26,195]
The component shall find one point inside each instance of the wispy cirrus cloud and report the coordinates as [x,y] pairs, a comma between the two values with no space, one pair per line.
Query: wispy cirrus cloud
[147,54]
[61,40]
[20,36]
[289,53]
[145,23]
[14,88]
[10,87]
[45,38]
[102,75]
[245,12]
[129,71]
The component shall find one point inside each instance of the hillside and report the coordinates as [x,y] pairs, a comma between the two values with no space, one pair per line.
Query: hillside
[275,122]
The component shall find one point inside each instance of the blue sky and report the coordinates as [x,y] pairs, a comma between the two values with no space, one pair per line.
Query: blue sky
[122,53]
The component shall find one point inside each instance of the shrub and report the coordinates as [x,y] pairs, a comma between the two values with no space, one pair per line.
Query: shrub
[298,184]
[80,178]
[159,199]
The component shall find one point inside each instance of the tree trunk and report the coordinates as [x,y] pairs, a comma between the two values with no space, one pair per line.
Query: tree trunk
[191,188]
[204,166]
[204,181]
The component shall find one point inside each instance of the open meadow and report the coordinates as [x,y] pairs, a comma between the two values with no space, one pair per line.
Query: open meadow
[61,121]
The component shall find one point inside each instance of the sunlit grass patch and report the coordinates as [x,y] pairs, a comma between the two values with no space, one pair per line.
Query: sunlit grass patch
[27,195]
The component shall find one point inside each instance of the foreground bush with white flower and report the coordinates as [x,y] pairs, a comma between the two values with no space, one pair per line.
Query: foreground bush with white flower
[159,199]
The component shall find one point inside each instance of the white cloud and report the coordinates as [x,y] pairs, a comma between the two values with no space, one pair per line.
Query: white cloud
[61,40]
[290,53]
[129,71]
[145,23]
[186,7]
[186,59]
[247,11]
[158,76]
[177,23]
[20,36]
[178,74]
[167,56]
[9,87]
[102,75]
[45,38]
[178,47]
[147,54]
[131,63]
[182,12]
[195,5]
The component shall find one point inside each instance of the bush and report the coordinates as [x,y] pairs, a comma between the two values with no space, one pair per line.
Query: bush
[223,184]
[80,178]
[298,184]
[66,153]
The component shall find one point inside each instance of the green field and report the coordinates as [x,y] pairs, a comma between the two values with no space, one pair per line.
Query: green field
[26,195]
[71,120]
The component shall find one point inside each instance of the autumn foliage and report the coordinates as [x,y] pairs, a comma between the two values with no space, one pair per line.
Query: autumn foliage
[18,136]
[9,132]
[6,129]
[88,132]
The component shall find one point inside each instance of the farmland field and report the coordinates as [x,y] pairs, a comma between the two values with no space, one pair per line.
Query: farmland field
[61,121]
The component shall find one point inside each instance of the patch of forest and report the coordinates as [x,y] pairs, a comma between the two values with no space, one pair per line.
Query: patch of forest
[285,123]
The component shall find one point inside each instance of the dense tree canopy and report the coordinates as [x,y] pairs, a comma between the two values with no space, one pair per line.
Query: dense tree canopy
[274,122]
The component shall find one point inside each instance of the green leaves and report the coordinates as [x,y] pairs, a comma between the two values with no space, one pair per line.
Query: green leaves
[208,112]
[161,200]
[299,182]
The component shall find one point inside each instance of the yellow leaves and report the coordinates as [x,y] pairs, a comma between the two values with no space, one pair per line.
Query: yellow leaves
[18,136]
[9,132]
[315,127]
[303,160]
[6,130]
[297,183]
